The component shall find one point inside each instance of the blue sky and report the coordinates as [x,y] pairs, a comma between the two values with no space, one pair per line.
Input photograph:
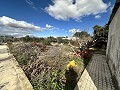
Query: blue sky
[52,17]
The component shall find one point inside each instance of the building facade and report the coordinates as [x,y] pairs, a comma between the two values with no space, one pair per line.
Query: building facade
[113,45]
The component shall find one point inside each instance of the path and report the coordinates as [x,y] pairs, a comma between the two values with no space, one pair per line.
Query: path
[12,76]
[96,76]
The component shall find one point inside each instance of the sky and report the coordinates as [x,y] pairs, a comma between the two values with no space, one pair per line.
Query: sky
[43,18]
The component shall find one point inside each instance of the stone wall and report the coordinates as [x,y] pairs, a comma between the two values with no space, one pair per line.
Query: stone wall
[113,47]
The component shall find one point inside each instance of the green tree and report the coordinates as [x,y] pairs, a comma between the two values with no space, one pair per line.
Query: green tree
[26,38]
[81,34]
[100,35]
[52,39]
[59,40]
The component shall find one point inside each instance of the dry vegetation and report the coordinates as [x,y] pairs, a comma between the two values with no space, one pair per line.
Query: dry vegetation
[45,66]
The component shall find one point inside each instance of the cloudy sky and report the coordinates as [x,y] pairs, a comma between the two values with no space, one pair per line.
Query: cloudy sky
[44,18]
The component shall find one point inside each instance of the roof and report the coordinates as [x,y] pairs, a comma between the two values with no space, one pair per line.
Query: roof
[116,6]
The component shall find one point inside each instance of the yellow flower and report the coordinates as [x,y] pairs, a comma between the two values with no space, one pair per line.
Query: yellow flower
[71,64]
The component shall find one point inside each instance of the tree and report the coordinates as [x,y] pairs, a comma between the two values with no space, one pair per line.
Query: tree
[26,38]
[82,38]
[100,35]
[52,39]
[81,34]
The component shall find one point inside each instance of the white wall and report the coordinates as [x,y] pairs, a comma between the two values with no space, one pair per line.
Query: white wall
[113,46]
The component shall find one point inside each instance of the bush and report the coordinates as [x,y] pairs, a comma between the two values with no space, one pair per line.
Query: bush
[46,42]
[24,59]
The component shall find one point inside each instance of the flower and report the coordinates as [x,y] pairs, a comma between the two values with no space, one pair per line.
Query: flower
[71,64]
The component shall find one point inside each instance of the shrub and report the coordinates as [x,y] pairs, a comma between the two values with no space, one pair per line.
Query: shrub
[24,59]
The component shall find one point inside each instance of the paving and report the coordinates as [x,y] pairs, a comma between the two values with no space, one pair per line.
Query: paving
[96,76]
[12,76]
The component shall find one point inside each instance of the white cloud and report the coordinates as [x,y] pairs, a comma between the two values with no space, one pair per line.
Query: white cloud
[9,22]
[51,28]
[32,4]
[97,16]
[65,9]
[9,26]
[48,26]
[111,8]
[13,31]
[74,30]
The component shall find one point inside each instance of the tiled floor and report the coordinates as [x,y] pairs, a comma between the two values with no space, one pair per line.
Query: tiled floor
[96,76]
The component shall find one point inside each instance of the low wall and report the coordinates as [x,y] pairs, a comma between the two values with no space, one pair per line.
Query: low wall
[12,76]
